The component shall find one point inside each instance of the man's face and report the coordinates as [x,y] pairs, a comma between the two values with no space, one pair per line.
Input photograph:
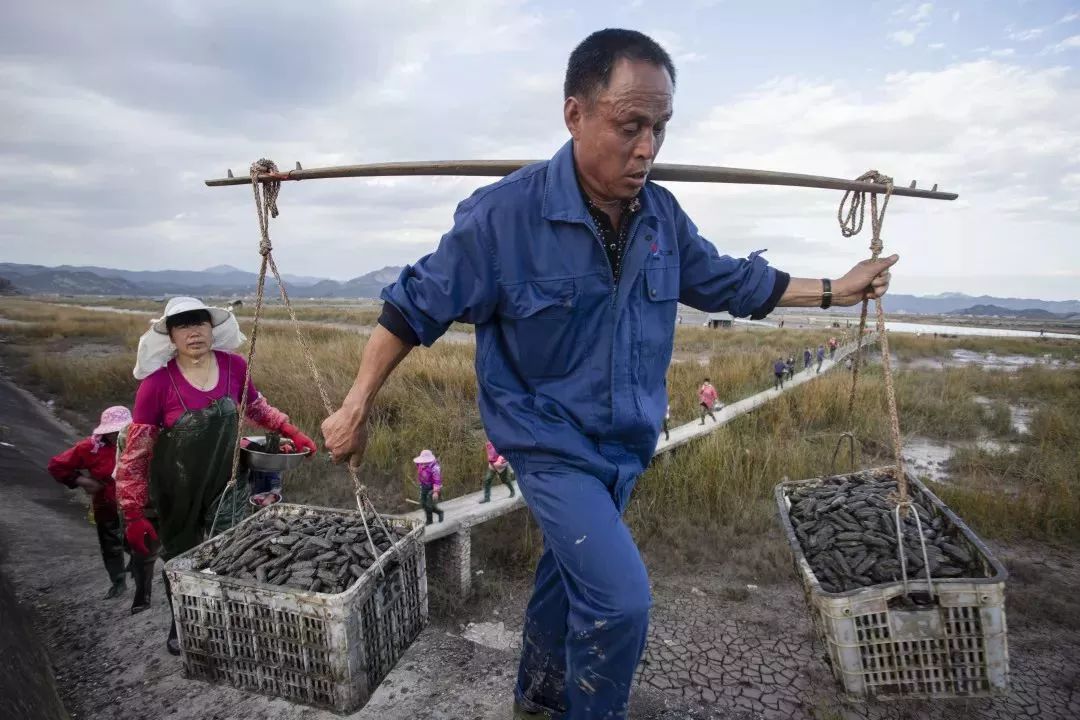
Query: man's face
[618,133]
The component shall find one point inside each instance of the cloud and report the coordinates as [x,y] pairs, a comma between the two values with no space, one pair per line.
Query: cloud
[919,18]
[921,13]
[905,38]
[1001,135]
[113,153]
[956,16]
[1067,44]
[1025,35]
[1003,52]
[1069,18]
[936,46]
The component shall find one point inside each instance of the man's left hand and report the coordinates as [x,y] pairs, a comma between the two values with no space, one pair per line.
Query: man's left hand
[866,281]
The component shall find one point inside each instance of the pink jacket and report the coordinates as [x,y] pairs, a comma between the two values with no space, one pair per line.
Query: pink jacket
[430,475]
[494,458]
[707,395]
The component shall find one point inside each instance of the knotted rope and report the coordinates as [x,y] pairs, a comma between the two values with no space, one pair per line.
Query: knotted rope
[851,223]
[851,214]
[266,194]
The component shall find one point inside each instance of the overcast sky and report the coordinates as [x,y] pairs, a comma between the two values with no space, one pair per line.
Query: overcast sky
[113,113]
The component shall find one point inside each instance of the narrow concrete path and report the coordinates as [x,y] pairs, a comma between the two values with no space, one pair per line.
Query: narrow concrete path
[466,511]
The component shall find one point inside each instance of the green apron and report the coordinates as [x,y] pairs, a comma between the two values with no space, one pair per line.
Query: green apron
[191,466]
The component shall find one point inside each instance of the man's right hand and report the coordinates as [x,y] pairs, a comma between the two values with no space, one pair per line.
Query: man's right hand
[346,437]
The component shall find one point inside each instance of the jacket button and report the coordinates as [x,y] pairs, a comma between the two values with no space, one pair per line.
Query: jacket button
[653,292]
[648,238]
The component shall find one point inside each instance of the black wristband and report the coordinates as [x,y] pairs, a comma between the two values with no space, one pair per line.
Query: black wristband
[826,293]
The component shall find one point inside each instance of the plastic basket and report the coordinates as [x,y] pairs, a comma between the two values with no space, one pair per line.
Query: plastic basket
[955,647]
[329,650]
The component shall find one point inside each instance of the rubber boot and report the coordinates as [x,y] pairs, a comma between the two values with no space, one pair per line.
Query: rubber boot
[142,572]
[520,713]
[119,587]
[172,644]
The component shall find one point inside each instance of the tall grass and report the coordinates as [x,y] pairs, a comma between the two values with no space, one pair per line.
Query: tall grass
[699,500]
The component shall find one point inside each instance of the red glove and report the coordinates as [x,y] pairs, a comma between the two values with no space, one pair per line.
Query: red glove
[299,439]
[137,529]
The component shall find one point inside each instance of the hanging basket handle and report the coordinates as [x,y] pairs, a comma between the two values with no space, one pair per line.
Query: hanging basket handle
[850,215]
[266,195]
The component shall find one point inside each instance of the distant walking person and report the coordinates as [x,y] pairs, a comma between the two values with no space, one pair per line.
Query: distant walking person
[667,420]
[820,356]
[498,467]
[429,478]
[832,347]
[779,368]
[790,367]
[707,396]
[807,356]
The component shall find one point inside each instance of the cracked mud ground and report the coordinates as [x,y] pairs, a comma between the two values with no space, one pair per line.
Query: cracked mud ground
[716,649]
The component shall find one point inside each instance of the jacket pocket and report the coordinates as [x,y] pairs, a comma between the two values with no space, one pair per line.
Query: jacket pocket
[658,311]
[662,284]
[539,323]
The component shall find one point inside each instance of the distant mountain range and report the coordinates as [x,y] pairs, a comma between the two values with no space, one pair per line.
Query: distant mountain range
[960,304]
[217,281]
[998,311]
[228,281]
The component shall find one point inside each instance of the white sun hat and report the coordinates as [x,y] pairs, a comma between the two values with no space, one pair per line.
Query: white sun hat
[179,305]
[424,458]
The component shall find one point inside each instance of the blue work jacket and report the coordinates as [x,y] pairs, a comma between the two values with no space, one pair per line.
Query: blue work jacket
[571,367]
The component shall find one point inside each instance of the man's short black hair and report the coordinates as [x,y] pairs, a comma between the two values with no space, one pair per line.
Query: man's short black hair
[187,319]
[589,68]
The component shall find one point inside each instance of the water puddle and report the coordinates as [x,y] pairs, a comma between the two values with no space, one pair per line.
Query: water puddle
[928,459]
[1019,415]
[989,361]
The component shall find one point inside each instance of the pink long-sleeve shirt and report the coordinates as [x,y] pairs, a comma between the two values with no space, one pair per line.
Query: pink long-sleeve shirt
[429,475]
[494,458]
[707,395]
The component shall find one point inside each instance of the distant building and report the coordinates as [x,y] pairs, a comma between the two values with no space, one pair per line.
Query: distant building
[719,320]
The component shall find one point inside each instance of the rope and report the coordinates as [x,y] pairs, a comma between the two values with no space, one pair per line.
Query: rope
[266,194]
[851,223]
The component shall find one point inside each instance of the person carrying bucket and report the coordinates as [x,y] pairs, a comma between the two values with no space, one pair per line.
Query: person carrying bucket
[89,465]
[429,478]
[174,468]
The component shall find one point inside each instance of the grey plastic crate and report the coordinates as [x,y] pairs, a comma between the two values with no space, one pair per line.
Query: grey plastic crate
[329,650]
[956,647]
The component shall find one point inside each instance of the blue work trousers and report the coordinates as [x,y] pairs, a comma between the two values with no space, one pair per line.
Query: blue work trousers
[586,623]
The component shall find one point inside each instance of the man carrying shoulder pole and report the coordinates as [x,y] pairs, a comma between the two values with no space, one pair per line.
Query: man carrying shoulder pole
[572,271]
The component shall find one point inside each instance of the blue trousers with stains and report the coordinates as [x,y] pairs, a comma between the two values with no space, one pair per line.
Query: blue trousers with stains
[586,623]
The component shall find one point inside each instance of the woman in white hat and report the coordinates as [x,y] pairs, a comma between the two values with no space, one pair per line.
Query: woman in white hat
[89,465]
[177,458]
[429,477]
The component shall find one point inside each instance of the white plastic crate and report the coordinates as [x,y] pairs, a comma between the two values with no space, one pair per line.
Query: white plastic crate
[329,650]
[954,647]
